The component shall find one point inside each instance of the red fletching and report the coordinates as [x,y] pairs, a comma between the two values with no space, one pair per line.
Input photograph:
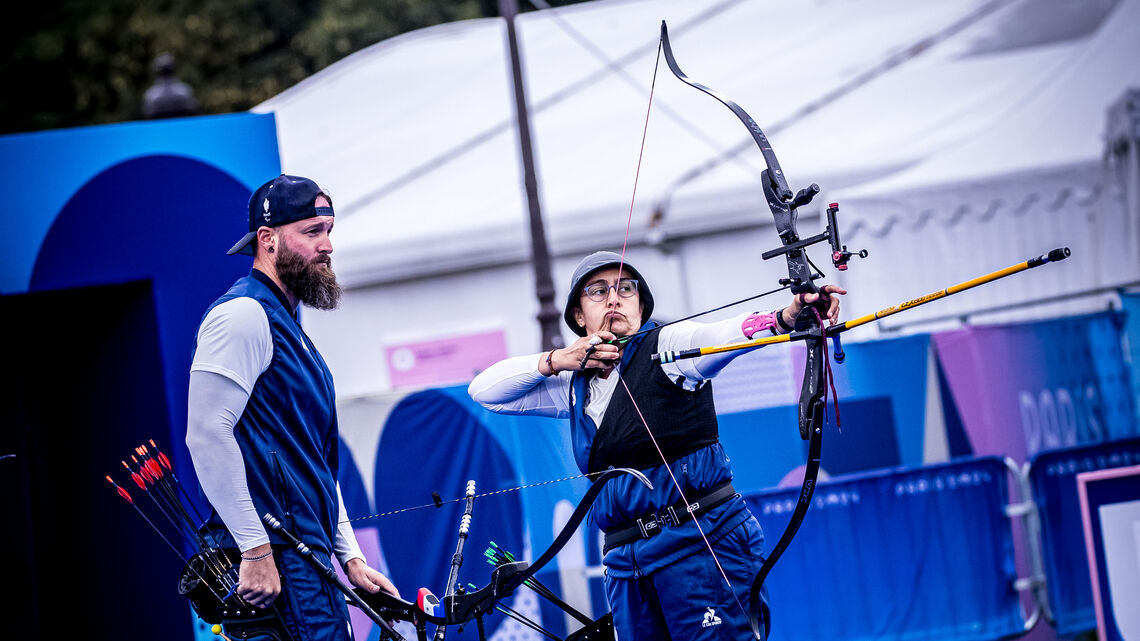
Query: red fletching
[143,470]
[155,470]
[135,477]
[161,457]
[123,493]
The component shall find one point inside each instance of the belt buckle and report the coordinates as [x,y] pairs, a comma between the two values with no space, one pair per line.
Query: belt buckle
[648,526]
[651,524]
[690,510]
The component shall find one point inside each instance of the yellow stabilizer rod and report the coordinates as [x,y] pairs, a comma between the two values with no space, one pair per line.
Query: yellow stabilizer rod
[1051,257]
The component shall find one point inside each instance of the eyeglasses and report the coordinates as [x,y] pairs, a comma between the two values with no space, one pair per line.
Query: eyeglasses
[597,292]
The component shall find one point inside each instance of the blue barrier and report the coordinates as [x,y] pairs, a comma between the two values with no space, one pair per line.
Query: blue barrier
[909,554]
[1052,475]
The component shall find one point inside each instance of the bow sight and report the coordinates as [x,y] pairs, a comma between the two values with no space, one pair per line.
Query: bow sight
[786,215]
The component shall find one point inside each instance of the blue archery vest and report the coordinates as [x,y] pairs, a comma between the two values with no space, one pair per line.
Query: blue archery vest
[288,431]
[683,422]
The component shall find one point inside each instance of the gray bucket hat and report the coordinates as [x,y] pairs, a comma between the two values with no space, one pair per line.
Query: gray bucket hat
[586,268]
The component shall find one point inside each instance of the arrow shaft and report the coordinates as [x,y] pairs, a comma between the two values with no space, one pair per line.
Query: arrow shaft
[1053,256]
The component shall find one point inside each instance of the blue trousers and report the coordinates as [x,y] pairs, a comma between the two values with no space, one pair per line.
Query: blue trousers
[311,608]
[689,599]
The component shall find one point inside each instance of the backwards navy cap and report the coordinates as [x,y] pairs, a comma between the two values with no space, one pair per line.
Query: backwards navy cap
[285,199]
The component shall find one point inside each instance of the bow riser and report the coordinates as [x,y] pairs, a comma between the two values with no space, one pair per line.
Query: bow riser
[800,272]
[812,403]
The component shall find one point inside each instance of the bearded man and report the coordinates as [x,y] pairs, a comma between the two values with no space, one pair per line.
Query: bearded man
[262,425]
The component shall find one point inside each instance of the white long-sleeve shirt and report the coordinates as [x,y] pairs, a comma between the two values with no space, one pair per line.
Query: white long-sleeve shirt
[516,386]
[235,347]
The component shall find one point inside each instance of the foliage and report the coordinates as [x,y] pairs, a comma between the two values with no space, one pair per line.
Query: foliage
[83,62]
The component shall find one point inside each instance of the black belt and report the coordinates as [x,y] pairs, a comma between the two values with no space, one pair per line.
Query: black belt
[676,514]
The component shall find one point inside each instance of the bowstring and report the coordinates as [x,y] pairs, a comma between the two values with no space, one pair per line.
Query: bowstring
[652,438]
[464,498]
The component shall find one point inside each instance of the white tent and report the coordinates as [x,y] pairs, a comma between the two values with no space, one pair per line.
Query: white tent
[910,113]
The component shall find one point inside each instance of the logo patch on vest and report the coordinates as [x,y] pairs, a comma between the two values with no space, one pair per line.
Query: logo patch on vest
[711,618]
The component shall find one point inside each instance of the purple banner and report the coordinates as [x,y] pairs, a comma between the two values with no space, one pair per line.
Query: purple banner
[1023,388]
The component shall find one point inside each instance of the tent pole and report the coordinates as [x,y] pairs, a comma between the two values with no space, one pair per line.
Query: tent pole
[548,314]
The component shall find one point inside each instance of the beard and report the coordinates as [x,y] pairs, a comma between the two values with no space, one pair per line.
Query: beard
[313,282]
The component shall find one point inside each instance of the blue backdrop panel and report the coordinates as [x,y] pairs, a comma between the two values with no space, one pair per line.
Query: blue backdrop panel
[882,405]
[1131,304]
[893,370]
[352,490]
[764,445]
[908,554]
[767,450]
[47,168]
[434,441]
[1053,475]
[156,201]
[418,545]
[146,209]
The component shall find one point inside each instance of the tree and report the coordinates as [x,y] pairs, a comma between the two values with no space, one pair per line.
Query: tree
[76,62]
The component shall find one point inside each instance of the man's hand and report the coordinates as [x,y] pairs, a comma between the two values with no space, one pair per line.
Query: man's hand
[827,294]
[259,583]
[366,578]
